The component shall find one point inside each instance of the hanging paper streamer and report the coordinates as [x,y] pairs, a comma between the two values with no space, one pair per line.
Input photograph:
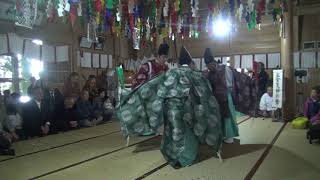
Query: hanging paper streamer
[199,24]
[241,12]
[98,9]
[60,8]
[119,12]
[73,15]
[166,9]
[136,39]
[67,6]
[50,11]
[26,13]
[260,8]
[110,4]
[179,27]
[131,6]
[158,4]
[121,76]
[89,9]
[79,9]
[148,29]
[91,31]
[194,7]
[232,7]
[153,11]
[253,22]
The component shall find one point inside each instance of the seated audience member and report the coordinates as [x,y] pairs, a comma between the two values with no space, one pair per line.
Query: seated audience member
[69,115]
[6,96]
[85,111]
[312,106]
[56,111]
[35,115]
[31,86]
[5,138]
[14,122]
[103,106]
[91,87]
[72,86]
[266,104]
[5,143]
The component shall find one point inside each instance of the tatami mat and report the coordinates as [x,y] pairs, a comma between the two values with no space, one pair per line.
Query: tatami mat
[101,153]
[291,158]
[133,162]
[255,134]
[47,161]
[43,143]
[128,164]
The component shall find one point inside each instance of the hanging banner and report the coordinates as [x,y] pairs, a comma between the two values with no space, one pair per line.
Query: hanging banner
[277,88]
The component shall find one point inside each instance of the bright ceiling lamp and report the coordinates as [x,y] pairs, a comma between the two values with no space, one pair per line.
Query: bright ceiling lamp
[37,42]
[221,27]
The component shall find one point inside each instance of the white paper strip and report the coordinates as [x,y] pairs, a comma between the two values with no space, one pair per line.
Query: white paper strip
[247,62]
[16,43]
[3,44]
[104,61]
[273,60]
[203,65]
[95,61]
[296,60]
[62,53]
[237,61]
[308,60]
[86,60]
[47,54]
[197,61]
[32,50]
[261,58]
[110,61]
[277,88]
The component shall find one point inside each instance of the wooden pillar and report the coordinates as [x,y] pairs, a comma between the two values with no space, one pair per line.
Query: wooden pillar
[15,73]
[289,108]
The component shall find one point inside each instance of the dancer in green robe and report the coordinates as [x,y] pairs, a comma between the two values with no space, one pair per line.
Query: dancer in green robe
[181,100]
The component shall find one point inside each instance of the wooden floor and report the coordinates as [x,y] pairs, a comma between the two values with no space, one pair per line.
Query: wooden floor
[265,150]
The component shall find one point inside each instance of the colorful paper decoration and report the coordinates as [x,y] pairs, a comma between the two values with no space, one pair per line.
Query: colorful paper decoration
[194,7]
[26,12]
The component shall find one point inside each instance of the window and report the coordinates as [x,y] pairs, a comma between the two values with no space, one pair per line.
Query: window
[309,45]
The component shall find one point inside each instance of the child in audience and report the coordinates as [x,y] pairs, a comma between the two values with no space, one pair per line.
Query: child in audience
[103,106]
[14,122]
[266,108]
[312,106]
[85,111]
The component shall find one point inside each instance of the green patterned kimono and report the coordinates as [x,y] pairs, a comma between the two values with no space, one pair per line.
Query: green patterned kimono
[181,100]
